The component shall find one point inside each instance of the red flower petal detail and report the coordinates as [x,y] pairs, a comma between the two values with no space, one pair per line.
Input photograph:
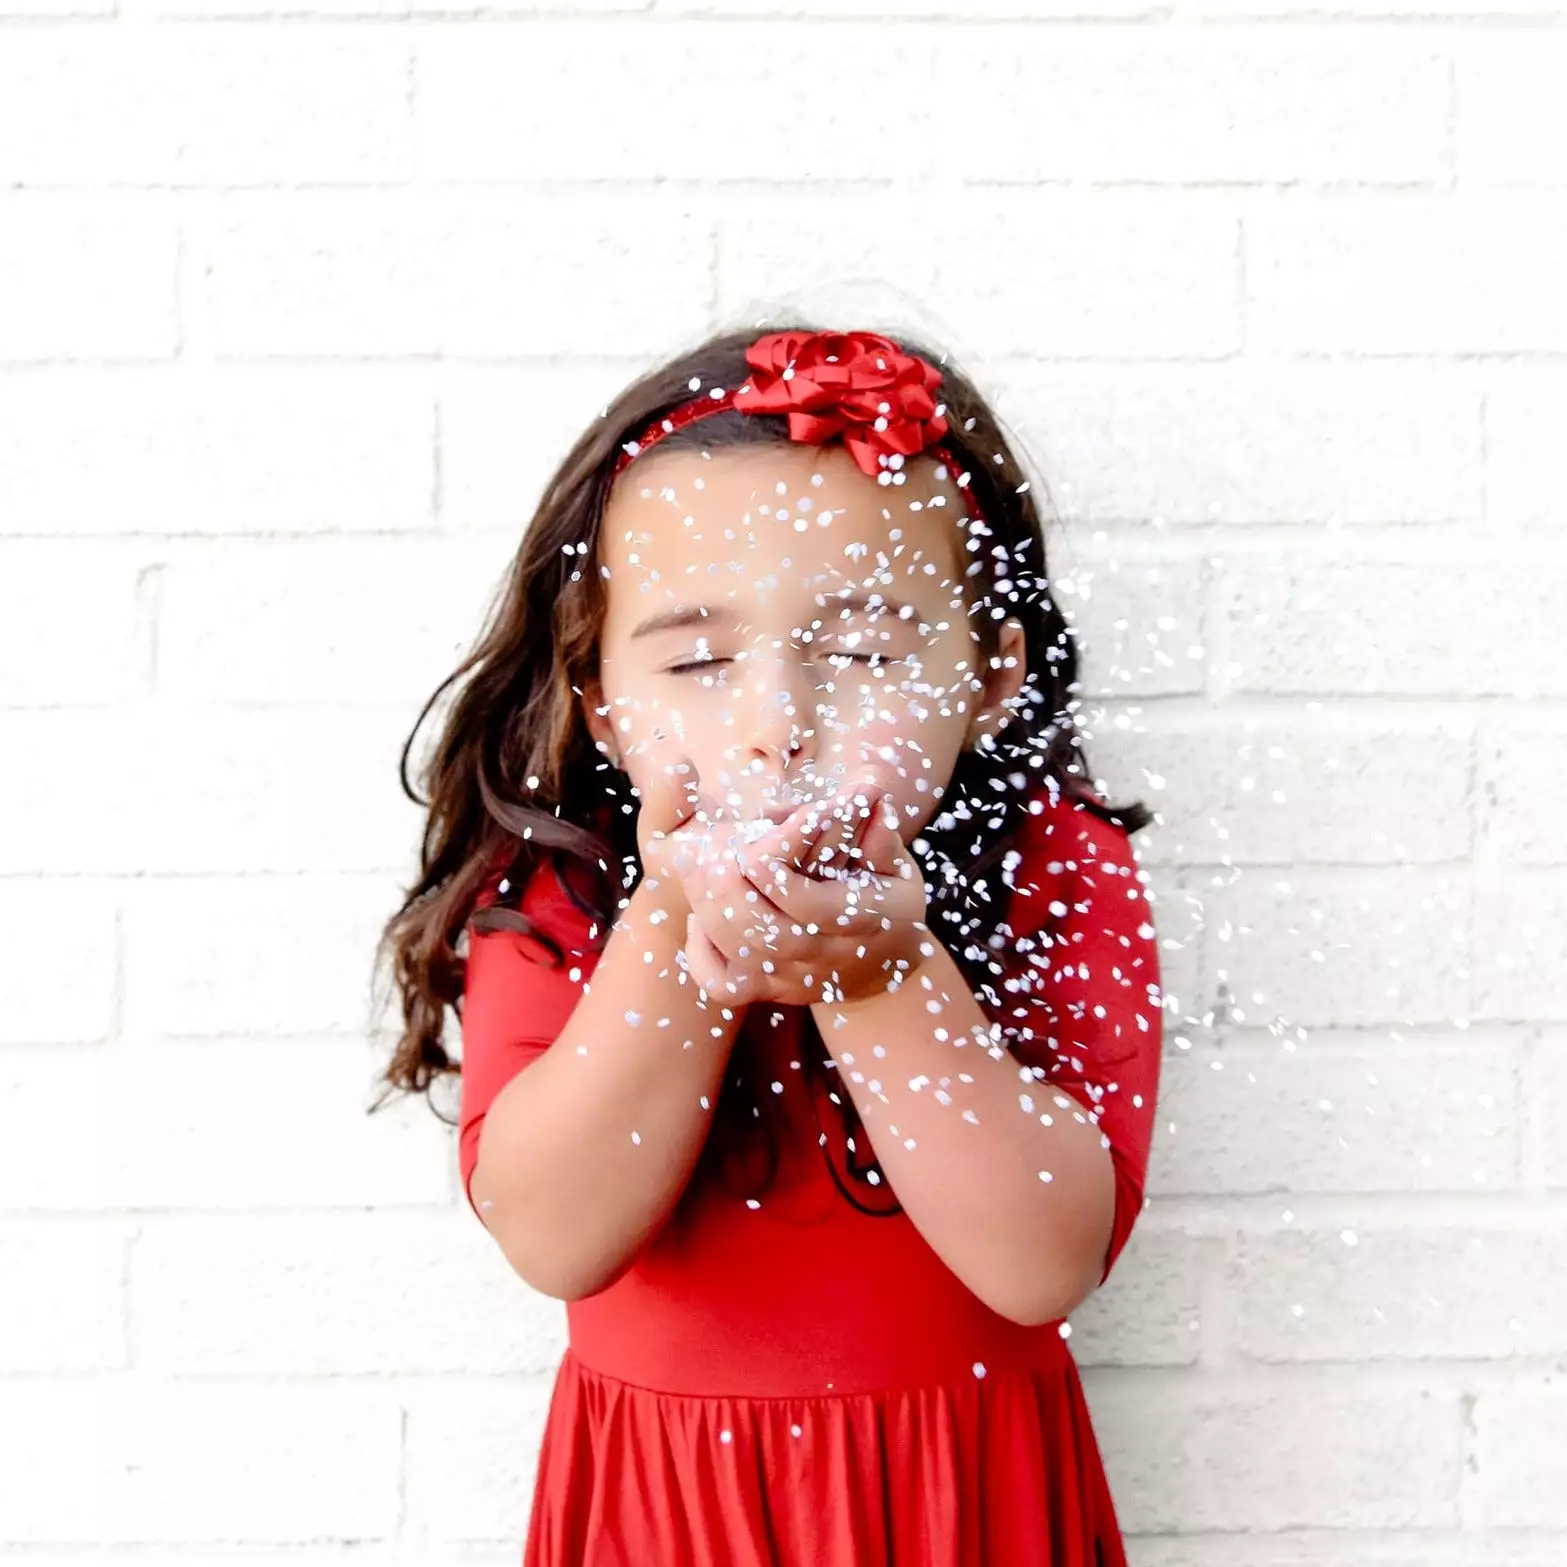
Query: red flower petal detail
[859,385]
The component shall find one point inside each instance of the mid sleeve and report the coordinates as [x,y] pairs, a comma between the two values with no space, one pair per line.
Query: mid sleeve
[1081,996]
[516,1001]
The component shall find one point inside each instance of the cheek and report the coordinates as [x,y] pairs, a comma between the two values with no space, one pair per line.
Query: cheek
[912,698]
[889,727]
[656,727]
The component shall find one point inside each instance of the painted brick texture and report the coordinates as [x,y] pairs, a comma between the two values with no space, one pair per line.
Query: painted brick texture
[300,301]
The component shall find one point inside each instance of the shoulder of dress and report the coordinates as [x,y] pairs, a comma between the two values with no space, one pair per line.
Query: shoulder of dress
[1060,842]
[1059,822]
[545,899]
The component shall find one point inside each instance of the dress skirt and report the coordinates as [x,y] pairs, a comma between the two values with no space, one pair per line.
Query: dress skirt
[1000,1470]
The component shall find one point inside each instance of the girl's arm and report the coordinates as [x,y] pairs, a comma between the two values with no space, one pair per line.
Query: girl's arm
[1082,1026]
[585,1152]
[966,1168]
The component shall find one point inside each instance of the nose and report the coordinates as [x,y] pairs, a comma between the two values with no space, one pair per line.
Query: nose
[778,714]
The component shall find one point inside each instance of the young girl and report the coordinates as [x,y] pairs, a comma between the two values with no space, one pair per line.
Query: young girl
[810,1013]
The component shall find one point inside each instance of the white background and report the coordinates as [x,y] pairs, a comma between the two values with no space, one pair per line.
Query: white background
[298,307]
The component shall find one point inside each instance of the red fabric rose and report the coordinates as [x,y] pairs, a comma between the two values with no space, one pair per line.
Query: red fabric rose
[857,384]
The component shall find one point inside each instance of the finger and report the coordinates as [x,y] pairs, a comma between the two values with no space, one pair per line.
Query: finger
[795,840]
[696,843]
[882,849]
[851,815]
[746,922]
[707,902]
[833,904]
[781,855]
[704,962]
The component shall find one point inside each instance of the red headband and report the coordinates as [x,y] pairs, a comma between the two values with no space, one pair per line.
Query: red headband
[855,384]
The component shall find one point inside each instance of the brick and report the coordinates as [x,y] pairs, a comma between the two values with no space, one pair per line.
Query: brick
[133,1461]
[1302,623]
[388,274]
[1551,1073]
[1412,274]
[69,1315]
[1148,1313]
[57,298]
[59,984]
[1187,1453]
[197,451]
[232,790]
[472,1452]
[392,1553]
[323,620]
[1526,459]
[941,10]
[1127,768]
[56,9]
[1138,621]
[505,104]
[1347,1114]
[1356,789]
[1095,275]
[505,429]
[1114,104]
[644,259]
[1180,948]
[1179,933]
[333,1295]
[1240,444]
[1520,1434]
[89,652]
[251,954]
[1326,948]
[1411,1290]
[55,783]
[270,9]
[1519,821]
[275,790]
[1458,1547]
[82,1131]
[170,106]
[1312,10]
[799,250]
[301,967]
[319,273]
[1512,127]
[1520,935]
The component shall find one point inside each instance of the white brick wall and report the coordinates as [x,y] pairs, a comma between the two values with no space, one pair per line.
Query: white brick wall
[300,299]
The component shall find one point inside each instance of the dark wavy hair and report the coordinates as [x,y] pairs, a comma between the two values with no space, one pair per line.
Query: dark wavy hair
[515,776]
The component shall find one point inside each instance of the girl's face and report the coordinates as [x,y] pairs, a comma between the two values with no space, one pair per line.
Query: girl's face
[790,625]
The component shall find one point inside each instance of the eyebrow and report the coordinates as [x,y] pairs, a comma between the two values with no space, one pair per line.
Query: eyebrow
[684,615]
[674,619]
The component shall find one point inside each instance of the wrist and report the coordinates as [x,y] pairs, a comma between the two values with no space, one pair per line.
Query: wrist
[901,963]
[661,900]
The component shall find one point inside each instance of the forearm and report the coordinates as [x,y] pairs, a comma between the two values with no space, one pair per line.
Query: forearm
[959,1132]
[585,1152]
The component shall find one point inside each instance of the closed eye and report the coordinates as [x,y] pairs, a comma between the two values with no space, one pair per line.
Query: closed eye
[699,663]
[836,659]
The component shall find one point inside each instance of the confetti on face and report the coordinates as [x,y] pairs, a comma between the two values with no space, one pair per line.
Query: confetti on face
[791,625]
[788,624]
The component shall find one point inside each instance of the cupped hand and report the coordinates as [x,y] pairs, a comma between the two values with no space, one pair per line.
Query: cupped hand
[827,906]
[671,826]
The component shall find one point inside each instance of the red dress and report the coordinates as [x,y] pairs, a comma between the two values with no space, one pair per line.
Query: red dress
[799,1381]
